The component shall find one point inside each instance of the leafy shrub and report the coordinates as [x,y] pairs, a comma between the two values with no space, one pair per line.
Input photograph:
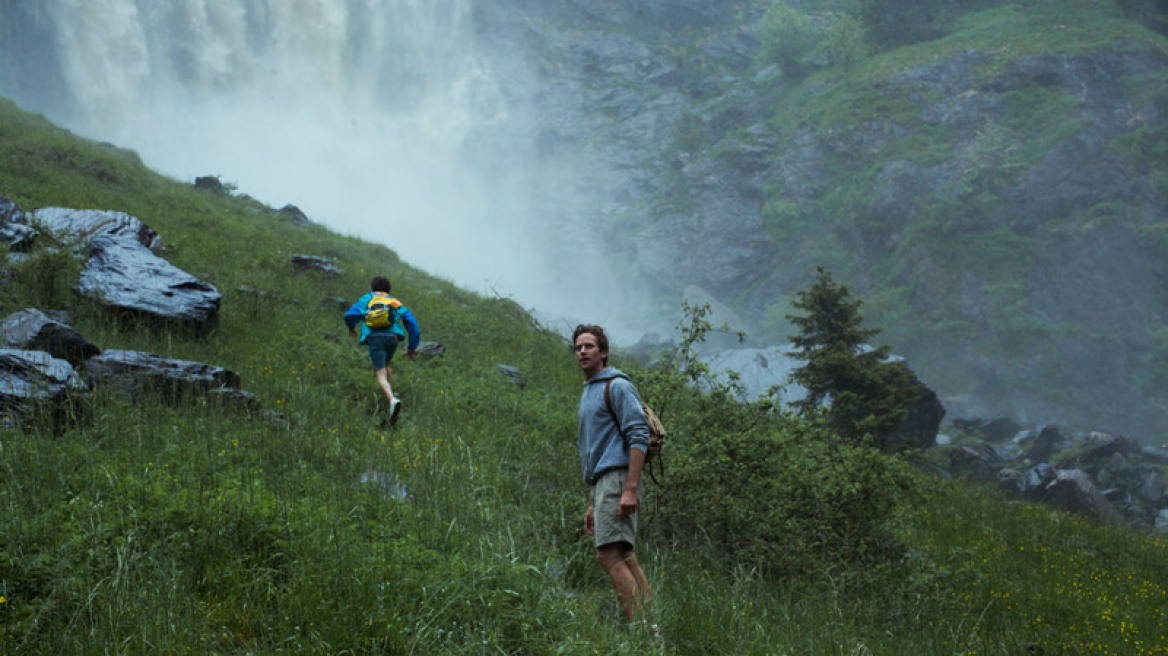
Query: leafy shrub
[789,498]
[780,217]
[844,44]
[786,36]
[784,495]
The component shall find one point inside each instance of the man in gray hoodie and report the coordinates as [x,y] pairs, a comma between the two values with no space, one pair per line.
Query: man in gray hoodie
[613,440]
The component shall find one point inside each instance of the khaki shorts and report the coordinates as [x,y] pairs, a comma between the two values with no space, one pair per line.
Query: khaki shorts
[606,494]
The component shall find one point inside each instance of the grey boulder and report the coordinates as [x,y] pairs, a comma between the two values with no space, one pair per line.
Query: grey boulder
[316,264]
[33,330]
[87,225]
[33,381]
[14,227]
[135,373]
[127,276]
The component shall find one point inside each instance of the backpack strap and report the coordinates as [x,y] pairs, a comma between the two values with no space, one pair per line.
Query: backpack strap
[608,404]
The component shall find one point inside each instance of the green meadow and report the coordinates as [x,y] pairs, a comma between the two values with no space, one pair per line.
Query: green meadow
[148,527]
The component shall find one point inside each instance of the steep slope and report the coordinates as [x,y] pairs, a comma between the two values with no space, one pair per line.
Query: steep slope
[149,526]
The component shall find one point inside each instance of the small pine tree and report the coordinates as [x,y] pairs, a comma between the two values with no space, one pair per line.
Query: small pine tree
[853,386]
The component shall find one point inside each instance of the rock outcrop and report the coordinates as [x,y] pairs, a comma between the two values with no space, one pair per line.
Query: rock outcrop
[135,373]
[316,264]
[33,383]
[86,225]
[15,230]
[762,372]
[294,215]
[33,330]
[129,278]
[1111,479]
[45,364]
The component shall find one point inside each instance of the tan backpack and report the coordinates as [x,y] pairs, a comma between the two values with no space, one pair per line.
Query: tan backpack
[656,432]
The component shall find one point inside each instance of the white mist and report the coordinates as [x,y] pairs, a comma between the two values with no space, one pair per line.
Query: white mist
[383,119]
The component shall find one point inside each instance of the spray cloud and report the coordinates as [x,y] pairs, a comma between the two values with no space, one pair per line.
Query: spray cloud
[385,119]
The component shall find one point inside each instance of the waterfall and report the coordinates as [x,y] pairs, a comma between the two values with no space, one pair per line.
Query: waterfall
[385,119]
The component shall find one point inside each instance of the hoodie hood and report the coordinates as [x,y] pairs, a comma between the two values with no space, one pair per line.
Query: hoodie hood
[608,373]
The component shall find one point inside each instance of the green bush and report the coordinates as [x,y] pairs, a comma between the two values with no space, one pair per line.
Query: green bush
[786,36]
[689,135]
[762,487]
[788,498]
[845,43]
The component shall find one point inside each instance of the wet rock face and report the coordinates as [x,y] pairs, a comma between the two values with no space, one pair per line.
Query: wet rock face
[135,373]
[90,224]
[34,330]
[128,277]
[1073,490]
[32,382]
[316,265]
[1080,209]
[15,230]
[294,215]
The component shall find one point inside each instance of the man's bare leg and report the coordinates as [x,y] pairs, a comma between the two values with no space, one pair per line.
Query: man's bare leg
[645,595]
[385,382]
[632,589]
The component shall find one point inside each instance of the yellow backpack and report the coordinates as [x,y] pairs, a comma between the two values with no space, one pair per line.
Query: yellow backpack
[379,313]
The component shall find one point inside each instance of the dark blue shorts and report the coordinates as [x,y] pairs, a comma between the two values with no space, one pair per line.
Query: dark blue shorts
[381,348]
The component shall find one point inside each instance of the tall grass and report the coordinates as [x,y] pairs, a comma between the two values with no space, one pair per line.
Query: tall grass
[202,529]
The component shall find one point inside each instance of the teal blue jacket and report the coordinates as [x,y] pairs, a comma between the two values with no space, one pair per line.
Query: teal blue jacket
[355,316]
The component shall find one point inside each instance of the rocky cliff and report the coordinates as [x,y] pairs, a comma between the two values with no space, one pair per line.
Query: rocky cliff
[1000,203]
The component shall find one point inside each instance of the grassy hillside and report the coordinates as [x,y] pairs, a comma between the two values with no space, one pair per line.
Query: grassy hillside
[198,529]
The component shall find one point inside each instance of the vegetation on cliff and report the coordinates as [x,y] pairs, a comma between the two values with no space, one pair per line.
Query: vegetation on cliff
[976,157]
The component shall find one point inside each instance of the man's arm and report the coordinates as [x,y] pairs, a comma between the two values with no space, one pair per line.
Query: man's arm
[628,501]
[629,416]
[626,404]
[413,330]
[589,517]
[355,314]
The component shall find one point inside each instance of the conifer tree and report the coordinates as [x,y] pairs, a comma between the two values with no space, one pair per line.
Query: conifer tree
[851,384]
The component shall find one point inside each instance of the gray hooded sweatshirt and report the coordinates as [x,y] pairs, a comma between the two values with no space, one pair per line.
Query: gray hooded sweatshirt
[602,447]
